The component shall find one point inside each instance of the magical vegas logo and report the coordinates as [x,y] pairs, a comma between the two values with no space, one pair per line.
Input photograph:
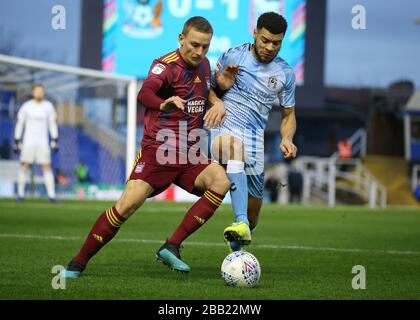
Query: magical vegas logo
[195,106]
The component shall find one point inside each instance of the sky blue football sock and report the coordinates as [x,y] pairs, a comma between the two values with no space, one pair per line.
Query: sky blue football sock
[239,190]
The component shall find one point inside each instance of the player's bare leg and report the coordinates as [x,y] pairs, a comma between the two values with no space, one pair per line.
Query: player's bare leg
[212,181]
[213,178]
[254,208]
[229,150]
[135,194]
[49,181]
[227,147]
[21,180]
[108,224]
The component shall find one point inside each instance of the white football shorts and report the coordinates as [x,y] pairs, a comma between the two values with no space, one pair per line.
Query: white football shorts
[35,154]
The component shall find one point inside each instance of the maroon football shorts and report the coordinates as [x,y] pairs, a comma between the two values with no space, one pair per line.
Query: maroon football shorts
[161,176]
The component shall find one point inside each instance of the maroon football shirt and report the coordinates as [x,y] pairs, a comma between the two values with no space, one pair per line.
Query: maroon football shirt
[171,76]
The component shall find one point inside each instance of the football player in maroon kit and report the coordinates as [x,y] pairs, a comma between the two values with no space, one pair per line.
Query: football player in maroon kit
[175,95]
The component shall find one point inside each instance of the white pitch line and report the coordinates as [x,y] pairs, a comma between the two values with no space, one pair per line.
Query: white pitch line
[88,207]
[218,244]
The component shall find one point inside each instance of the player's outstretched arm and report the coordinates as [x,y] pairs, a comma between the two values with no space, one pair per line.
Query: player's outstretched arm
[216,115]
[227,77]
[287,131]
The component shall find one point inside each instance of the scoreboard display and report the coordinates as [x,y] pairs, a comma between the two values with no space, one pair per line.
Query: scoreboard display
[137,31]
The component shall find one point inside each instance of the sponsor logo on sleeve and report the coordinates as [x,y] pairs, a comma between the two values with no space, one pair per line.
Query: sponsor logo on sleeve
[158,68]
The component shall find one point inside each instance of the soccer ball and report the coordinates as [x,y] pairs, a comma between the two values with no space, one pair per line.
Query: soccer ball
[240,269]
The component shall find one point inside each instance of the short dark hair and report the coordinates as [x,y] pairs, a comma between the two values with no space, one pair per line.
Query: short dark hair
[198,23]
[273,22]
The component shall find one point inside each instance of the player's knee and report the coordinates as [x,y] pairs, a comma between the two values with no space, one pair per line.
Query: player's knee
[220,183]
[125,208]
[220,151]
[236,150]
[226,183]
[227,147]
[135,193]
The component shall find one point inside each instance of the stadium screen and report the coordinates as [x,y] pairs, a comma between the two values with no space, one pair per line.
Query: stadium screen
[137,31]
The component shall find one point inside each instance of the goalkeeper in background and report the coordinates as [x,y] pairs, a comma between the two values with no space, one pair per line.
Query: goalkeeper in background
[35,119]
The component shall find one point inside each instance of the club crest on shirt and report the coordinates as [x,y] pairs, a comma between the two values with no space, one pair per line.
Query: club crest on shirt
[158,68]
[272,82]
[208,83]
[139,167]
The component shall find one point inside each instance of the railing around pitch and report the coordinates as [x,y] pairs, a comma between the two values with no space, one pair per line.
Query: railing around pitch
[321,177]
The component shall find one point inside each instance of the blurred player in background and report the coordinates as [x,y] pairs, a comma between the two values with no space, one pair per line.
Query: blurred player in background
[257,78]
[35,119]
[175,95]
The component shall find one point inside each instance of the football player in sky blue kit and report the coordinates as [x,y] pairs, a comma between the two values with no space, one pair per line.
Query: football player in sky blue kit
[257,77]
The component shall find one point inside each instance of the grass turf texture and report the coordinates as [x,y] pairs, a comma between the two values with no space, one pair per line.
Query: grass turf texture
[305,253]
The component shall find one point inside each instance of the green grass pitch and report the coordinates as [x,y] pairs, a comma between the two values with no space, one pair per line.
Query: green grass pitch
[305,253]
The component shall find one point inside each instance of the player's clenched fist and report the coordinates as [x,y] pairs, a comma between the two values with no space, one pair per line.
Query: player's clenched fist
[288,148]
[172,104]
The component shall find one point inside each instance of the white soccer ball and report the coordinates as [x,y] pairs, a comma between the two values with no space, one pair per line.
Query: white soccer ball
[241,269]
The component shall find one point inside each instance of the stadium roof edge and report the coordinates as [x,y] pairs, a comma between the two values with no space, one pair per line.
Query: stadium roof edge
[63,68]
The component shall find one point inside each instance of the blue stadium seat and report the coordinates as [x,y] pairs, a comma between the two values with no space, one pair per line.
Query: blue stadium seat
[417,193]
